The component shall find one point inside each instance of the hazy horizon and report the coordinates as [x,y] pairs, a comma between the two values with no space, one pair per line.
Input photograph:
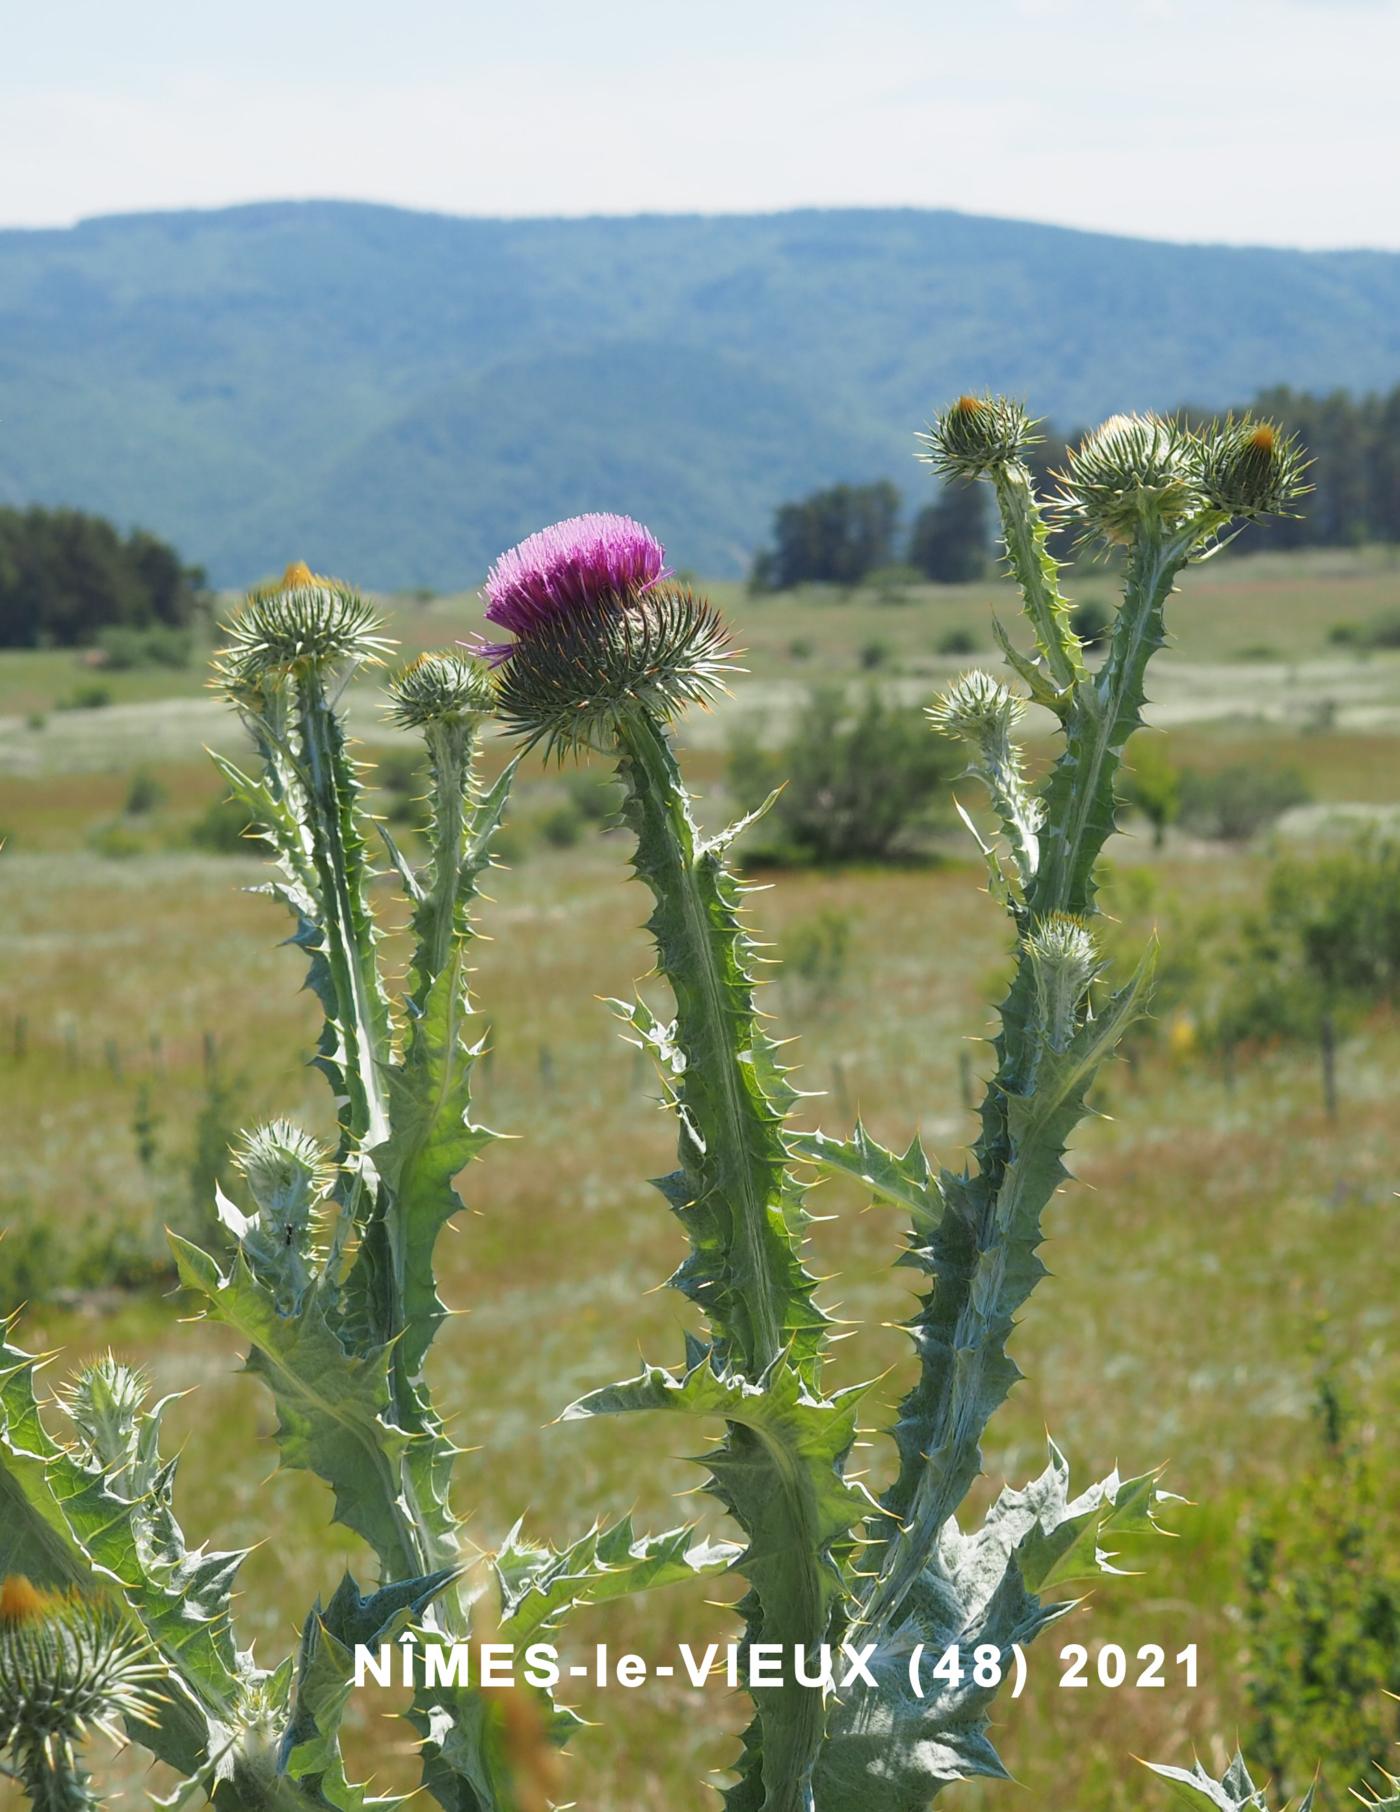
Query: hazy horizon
[360,201]
[1231,122]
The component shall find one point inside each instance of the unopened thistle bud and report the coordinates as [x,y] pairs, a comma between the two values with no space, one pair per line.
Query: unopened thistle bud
[67,1667]
[1064,961]
[440,688]
[301,624]
[982,712]
[1132,472]
[104,1402]
[598,632]
[978,436]
[976,706]
[288,1172]
[1251,468]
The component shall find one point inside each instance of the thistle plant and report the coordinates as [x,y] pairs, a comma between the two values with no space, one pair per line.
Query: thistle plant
[330,1282]
[328,1274]
[605,656]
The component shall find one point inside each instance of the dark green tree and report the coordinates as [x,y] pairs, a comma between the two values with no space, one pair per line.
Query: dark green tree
[66,577]
[949,540]
[835,536]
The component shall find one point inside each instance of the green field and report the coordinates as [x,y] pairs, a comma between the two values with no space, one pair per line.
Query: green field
[1212,1228]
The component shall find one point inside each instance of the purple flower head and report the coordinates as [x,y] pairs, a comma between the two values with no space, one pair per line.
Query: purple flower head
[569,566]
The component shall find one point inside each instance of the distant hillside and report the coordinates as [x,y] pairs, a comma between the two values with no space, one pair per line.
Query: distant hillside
[395,396]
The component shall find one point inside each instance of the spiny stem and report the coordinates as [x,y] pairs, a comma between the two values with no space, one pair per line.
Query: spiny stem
[738,1155]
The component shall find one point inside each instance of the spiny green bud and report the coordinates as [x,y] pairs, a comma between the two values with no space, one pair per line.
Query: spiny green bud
[567,682]
[104,1402]
[978,435]
[440,688]
[301,624]
[287,1170]
[1064,961]
[1251,468]
[67,1665]
[1132,471]
[975,705]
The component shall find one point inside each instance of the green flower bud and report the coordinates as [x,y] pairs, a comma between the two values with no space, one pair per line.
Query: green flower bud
[1064,961]
[978,436]
[104,1403]
[1134,471]
[976,706]
[301,624]
[1250,468]
[440,688]
[288,1171]
[67,1666]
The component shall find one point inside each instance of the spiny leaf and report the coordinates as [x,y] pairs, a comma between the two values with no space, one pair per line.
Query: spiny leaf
[1234,1791]
[541,1587]
[779,1473]
[83,1531]
[332,1417]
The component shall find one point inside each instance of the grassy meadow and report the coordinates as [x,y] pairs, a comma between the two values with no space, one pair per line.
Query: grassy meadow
[147,1005]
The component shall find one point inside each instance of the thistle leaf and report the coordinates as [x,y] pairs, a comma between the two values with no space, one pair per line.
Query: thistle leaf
[70,1519]
[1233,1792]
[540,1587]
[779,1472]
[333,1408]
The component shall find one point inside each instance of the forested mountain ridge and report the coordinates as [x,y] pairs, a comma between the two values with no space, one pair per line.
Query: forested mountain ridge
[395,395]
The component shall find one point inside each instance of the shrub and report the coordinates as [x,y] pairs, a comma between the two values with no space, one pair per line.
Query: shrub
[144,794]
[893,584]
[89,695]
[1382,631]
[814,953]
[1091,622]
[957,641]
[221,829]
[1322,1607]
[862,784]
[1152,785]
[125,646]
[1239,801]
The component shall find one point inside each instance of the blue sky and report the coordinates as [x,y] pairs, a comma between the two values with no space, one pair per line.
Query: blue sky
[1258,121]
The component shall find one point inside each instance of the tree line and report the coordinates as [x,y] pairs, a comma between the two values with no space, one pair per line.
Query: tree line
[67,577]
[845,533]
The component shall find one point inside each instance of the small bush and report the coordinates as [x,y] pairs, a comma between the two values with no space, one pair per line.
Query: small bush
[894,584]
[117,842]
[144,794]
[1381,631]
[401,774]
[1239,801]
[802,648]
[862,786]
[91,695]
[1322,1609]
[875,653]
[1091,622]
[957,641]
[160,645]
[814,953]
[563,825]
[220,829]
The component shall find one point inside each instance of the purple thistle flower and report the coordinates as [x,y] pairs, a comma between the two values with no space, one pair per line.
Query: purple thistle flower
[571,565]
